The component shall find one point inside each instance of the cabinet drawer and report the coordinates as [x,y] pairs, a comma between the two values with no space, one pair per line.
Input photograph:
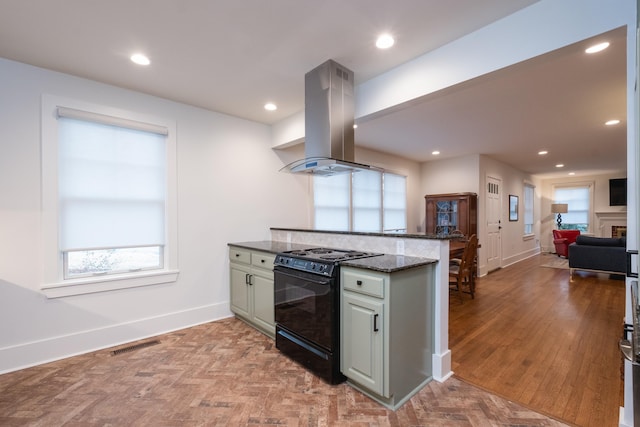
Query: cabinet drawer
[240,256]
[263,260]
[364,283]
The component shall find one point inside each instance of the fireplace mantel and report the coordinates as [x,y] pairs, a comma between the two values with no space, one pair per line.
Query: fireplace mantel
[607,220]
[617,215]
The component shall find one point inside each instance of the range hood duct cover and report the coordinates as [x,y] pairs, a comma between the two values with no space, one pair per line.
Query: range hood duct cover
[329,118]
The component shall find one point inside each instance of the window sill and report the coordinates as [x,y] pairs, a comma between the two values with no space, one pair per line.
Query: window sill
[89,285]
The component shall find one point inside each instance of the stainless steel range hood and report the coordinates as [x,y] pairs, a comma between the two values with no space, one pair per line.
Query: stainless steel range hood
[329,118]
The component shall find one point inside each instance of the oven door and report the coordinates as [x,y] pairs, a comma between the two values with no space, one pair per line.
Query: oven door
[306,304]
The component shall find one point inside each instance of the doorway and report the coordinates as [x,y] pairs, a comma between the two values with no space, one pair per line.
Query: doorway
[493,212]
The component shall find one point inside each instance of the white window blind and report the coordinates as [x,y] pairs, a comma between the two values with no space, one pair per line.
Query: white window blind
[579,200]
[528,209]
[395,202]
[88,116]
[367,201]
[332,202]
[111,185]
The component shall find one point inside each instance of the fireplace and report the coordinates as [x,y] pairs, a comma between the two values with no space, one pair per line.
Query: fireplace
[618,231]
[611,224]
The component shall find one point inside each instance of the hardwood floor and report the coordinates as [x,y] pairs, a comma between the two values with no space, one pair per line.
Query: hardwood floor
[543,339]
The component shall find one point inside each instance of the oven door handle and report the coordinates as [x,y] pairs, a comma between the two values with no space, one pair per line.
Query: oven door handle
[322,281]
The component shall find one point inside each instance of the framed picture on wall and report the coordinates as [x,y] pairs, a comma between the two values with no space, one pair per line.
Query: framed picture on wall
[513,207]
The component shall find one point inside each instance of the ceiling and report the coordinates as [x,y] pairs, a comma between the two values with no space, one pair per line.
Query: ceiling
[233,56]
[556,102]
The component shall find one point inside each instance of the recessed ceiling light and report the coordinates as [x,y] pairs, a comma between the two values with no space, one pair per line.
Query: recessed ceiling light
[140,59]
[435,153]
[559,165]
[572,173]
[597,47]
[385,41]
[270,106]
[543,152]
[612,122]
[355,126]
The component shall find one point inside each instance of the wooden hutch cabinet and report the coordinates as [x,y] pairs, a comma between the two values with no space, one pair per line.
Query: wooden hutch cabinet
[453,211]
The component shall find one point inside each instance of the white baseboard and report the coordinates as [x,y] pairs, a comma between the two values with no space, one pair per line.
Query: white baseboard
[510,260]
[621,419]
[48,350]
[441,366]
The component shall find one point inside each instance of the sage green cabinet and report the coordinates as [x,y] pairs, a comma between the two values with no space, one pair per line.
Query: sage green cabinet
[251,282]
[363,349]
[386,331]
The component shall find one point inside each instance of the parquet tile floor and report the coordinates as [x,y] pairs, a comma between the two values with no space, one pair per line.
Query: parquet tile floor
[225,373]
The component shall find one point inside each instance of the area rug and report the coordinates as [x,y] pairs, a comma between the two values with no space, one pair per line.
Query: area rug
[556,262]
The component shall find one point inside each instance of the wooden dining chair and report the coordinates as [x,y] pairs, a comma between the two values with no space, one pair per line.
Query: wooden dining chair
[462,271]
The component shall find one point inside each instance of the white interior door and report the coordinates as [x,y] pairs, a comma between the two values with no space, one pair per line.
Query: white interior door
[493,242]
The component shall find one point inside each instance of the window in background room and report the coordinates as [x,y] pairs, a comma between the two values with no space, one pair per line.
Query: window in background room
[364,201]
[579,199]
[111,198]
[528,208]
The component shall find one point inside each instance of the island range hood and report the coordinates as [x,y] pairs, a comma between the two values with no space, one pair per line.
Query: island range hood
[329,118]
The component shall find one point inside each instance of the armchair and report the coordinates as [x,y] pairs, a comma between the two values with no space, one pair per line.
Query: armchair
[562,239]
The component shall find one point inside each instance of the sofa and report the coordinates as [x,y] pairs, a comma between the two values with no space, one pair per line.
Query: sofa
[605,254]
[562,239]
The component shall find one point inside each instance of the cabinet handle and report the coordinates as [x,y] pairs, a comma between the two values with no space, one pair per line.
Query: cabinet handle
[237,255]
[375,323]
[262,261]
[359,282]
[247,279]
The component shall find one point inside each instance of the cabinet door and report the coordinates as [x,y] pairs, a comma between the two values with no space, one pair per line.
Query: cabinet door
[263,307]
[239,276]
[362,341]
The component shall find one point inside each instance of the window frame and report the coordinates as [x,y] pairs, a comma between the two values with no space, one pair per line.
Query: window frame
[54,283]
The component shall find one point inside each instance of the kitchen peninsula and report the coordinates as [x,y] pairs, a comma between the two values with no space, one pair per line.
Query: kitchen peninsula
[404,255]
[434,247]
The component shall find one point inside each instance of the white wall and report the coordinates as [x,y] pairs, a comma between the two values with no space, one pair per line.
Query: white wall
[227,177]
[453,175]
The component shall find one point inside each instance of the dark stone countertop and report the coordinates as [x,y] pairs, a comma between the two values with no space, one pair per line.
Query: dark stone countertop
[389,263]
[359,233]
[272,246]
[384,263]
